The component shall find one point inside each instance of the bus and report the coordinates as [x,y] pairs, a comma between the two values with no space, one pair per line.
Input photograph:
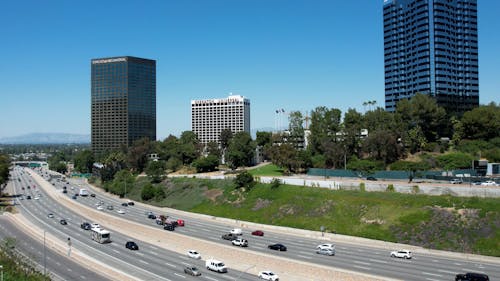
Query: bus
[100,235]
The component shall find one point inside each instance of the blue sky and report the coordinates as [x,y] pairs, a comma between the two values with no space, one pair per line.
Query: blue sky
[288,54]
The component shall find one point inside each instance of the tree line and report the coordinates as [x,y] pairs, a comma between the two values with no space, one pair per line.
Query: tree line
[334,141]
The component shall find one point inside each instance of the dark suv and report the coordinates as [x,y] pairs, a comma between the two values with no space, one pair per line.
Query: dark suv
[470,276]
[131,245]
[85,226]
[230,236]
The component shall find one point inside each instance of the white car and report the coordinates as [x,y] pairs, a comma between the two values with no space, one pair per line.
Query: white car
[194,254]
[268,275]
[37,197]
[120,211]
[236,231]
[240,242]
[50,215]
[325,246]
[100,208]
[405,254]
[489,183]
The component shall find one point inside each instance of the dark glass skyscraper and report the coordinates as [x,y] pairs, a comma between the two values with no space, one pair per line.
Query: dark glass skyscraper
[431,47]
[123,101]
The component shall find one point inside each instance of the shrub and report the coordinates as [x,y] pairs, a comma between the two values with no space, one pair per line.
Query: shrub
[415,189]
[390,188]
[362,187]
[244,179]
[275,183]
[147,192]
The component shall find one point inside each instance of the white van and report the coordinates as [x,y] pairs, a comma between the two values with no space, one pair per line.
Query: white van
[83,192]
[216,265]
[236,231]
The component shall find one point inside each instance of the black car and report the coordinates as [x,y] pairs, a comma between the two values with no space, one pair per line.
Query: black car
[169,227]
[65,191]
[92,195]
[131,245]
[130,203]
[63,222]
[124,204]
[85,225]
[151,216]
[74,197]
[371,179]
[277,247]
[230,236]
[471,276]
[28,197]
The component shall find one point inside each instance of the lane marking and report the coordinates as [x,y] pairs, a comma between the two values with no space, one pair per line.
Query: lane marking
[379,261]
[180,275]
[169,264]
[144,262]
[363,263]
[446,271]
[304,257]
[362,267]
[431,274]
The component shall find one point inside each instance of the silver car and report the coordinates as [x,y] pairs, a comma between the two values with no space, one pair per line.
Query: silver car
[326,251]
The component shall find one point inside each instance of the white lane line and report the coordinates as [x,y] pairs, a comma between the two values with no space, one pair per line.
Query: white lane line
[144,262]
[140,254]
[304,257]
[210,278]
[446,271]
[431,274]
[435,261]
[362,267]
[363,263]
[169,264]
[69,269]
[305,253]
[430,279]
[83,277]
[116,251]
[180,275]
[154,253]
[456,263]
[379,261]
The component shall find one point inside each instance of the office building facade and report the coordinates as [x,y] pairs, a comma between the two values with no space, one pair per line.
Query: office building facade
[209,117]
[431,47]
[123,101]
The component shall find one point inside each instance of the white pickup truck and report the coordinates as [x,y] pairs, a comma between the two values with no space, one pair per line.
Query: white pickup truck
[215,265]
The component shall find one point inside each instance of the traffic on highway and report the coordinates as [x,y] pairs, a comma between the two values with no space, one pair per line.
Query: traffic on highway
[146,261]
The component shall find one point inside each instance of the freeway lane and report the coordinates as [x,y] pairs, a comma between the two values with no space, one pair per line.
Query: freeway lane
[149,263]
[57,266]
[360,258]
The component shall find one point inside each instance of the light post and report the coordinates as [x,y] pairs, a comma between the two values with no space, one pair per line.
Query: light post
[1,268]
[44,256]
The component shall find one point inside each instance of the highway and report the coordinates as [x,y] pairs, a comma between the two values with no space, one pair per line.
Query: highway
[148,263]
[359,258]
[57,266]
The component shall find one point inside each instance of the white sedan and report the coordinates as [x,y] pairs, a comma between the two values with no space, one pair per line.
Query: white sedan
[401,254]
[268,275]
[194,254]
[100,208]
[120,211]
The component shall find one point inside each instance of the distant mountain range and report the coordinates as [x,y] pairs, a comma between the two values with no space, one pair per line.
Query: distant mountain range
[62,138]
[46,138]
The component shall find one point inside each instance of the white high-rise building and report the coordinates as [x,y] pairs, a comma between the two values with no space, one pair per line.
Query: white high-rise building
[209,117]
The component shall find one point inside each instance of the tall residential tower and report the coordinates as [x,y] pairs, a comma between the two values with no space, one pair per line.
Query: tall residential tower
[210,117]
[123,101]
[431,47]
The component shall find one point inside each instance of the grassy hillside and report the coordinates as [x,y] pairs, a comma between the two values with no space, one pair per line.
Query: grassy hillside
[440,222]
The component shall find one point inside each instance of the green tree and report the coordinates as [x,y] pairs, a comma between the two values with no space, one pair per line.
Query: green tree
[156,170]
[295,128]
[123,182]
[206,164]
[190,148]
[453,161]
[241,150]
[147,192]
[137,155]
[244,180]
[173,164]
[325,124]
[482,123]
[225,138]
[264,141]
[382,145]
[4,170]
[353,124]
[422,111]
[84,160]
[364,167]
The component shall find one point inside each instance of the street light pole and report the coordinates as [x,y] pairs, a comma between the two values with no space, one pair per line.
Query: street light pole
[44,256]
[1,268]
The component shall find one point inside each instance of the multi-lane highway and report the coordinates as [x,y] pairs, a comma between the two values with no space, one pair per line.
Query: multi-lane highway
[359,258]
[58,267]
[149,263]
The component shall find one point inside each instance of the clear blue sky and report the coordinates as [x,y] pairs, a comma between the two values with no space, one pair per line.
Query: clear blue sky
[288,54]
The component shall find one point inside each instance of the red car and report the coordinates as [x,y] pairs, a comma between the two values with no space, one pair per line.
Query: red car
[258,233]
[180,222]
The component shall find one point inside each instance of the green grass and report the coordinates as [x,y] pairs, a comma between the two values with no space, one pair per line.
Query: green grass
[269,170]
